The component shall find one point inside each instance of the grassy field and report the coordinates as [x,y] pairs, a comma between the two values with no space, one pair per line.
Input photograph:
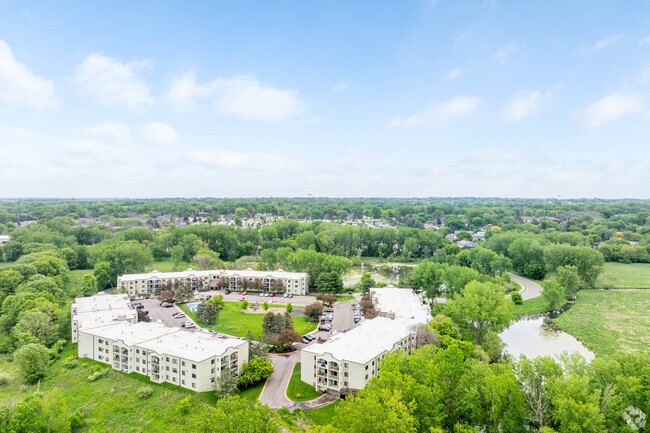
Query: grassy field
[167,265]
[297,390]
[607,321]
[626,276]
[233,322]
[111,403]
[323,415]
[531,306]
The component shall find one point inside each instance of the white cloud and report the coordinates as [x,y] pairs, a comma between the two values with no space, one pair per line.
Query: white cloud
[20,86]
[184,90]
[438,114]
[341,86]
[158,133]
[246,97]
[14,132]
[504,54]
[644,41]
[242,96]
[85,148]
[226,159]
[609,108]
[116,131]
[454,74]
[111,82]
[603,43]
[525,104]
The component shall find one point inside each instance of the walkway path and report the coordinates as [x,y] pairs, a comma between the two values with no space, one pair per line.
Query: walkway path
[531,288]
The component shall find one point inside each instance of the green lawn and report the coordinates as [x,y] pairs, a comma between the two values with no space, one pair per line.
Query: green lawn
[167,265]
[111,403]
[626,276]
[531,306]
[297,390]
[233,322]
[608,321]
[323,415]
[252,393]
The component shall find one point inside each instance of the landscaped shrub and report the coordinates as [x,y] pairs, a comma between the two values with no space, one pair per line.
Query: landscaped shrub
[4,380]
[184,405]
[144,392]
[516,298]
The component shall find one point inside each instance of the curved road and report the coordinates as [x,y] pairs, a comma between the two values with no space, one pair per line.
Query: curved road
[532,289]
[274,392]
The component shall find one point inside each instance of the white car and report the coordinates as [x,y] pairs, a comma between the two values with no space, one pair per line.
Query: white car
[187,324]
[178,315]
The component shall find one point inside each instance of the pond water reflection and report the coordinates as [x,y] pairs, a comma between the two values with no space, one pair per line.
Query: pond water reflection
[390,273]
[537,335]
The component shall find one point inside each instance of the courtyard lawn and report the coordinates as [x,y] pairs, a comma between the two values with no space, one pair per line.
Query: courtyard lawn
[297,390]
[323,415]
[166,265]
[233,322]
[608,321]
[531,306]
[626,276]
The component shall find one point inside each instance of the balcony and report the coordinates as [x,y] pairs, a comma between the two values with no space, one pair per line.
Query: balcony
[322,372]
[334,374]
[233,356]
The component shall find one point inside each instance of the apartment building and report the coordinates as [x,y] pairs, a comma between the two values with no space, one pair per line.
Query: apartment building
[296,283]
[192,360]
[100,310]
[349,359]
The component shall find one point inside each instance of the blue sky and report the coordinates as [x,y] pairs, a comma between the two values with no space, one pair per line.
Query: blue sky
[335,98]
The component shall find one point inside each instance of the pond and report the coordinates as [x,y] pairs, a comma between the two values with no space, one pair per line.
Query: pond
[390,273]
[536,335]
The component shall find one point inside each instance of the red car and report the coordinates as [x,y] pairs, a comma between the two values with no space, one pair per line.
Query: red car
[272,295]
[245,292]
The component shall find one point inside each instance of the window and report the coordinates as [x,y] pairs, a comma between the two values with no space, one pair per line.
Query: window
[100,357]
[137,351]
[183,372]
[373,362]
[213,371]
[366,377]
[174,379]
[100,341]
[345,374]
[101,349]
[167,368]
[212,380]
[137,368]
[212,362]
[167,358]
[366,367]
[345,383]
[183,382]
[137,359]
[346,365]
[183,363]
[193,385]
[174,370]
[144,361]
[168,377]
[194,366]
[193,375]
[175,361]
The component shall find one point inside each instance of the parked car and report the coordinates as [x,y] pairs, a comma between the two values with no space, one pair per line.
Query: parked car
[272,295]
[325,327]
[139,307]
[178,315]
[166,305]
[242,299]
[309,337]
[286,295]
[244,292]
[187,324]
[290,295]
[357,319]
[227,292]
[329,310]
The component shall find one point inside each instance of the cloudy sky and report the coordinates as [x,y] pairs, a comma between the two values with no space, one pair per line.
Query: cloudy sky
[336,98]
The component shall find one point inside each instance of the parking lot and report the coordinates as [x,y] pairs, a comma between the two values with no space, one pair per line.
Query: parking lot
[343,320]
[156,312]
[255,297]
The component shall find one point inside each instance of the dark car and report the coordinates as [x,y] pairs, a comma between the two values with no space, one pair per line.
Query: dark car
[166,305]
[227,292]
[139,307]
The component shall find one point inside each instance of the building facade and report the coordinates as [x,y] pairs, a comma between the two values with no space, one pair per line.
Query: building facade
[192,360]
[349,359]
[296,283]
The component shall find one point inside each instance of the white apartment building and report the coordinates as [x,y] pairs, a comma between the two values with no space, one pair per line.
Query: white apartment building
[296,283]
[349,359]
[189,359]
[100,310]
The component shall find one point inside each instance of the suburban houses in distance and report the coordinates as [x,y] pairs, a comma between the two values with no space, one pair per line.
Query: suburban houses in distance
[349,359]
[296,283]
[192,360]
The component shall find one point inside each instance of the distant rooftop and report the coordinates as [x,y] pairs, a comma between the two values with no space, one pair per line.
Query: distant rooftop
[248,273]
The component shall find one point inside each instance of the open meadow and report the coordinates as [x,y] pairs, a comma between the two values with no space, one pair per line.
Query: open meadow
[607,321]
